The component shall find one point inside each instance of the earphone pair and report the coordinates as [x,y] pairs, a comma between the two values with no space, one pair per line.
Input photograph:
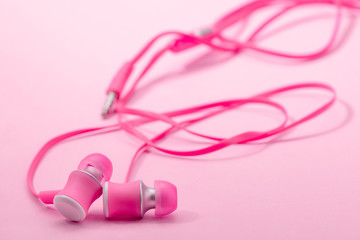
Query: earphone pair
[91,180]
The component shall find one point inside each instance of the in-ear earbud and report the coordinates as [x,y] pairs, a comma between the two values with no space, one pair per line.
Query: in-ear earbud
[83,187]
[135,198]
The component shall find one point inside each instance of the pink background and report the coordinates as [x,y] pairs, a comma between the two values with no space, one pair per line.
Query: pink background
[56,59]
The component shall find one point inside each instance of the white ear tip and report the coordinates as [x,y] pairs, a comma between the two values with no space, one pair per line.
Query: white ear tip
[69,208]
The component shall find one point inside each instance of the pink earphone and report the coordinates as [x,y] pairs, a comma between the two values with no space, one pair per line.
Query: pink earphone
[91,179]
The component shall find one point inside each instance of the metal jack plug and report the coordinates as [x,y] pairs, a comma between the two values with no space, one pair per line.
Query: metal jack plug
[111,97]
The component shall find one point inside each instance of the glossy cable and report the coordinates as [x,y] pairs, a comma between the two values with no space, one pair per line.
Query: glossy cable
[217,41]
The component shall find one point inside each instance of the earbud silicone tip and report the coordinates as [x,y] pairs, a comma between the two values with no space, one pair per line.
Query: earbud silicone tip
[69,208]
[100,162]
[165,198]
[80,191]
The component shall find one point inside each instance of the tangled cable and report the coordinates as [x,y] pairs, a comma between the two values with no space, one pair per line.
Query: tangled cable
[215,39]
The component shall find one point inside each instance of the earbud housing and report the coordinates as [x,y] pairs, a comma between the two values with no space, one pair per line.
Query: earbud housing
[135,198]
[83,187]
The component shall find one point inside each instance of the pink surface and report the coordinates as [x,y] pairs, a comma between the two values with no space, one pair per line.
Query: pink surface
[57,60]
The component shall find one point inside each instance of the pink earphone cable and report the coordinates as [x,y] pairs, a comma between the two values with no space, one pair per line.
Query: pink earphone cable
[182,42]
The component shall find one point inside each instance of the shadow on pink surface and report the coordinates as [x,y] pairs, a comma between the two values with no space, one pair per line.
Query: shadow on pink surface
[98,218]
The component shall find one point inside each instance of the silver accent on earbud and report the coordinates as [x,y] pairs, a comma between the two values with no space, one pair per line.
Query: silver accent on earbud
[111,97]
[95,172]
[106,199]
[92,172]
[147,198]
